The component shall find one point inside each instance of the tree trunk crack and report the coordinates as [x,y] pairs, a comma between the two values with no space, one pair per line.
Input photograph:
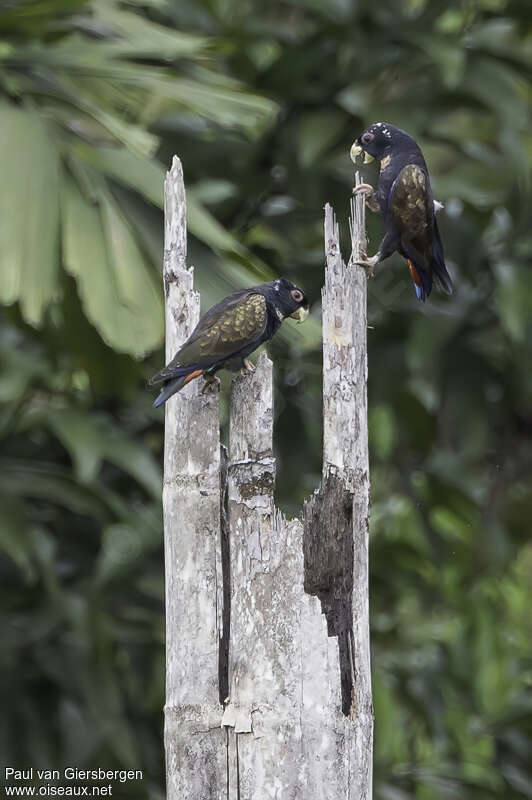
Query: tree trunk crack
[223,650]
[328,569]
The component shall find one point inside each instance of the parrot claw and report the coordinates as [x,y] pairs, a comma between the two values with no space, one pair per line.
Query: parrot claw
[368,264]
[248,366]
[369,195]
[212,383]
[367,188]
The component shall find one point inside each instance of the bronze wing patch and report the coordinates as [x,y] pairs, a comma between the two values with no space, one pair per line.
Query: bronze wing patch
[233,326]
[410,201]
[236,327]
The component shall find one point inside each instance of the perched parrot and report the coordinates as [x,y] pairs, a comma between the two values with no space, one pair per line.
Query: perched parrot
[404,197]
[229,332]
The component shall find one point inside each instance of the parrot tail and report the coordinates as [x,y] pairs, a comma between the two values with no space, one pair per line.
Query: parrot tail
[443,279]
[173,386]
[422,281]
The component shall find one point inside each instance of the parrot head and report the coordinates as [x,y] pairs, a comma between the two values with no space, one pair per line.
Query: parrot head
[378,141]
[287,299]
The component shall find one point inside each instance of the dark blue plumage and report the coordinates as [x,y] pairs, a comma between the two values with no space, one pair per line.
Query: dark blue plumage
[229,332]
[404,198]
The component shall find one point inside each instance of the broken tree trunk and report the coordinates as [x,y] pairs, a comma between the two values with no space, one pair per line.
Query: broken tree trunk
[191,507]
[268,667]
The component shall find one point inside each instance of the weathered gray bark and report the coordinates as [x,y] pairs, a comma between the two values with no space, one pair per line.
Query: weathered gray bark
[289,597]
[191,502]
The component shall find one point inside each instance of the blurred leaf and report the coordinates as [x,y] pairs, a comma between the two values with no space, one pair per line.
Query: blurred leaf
[134,35]
[213,192]
[353,98]
[449,54]
[51,484]
[29,213]
[382,430]
[316,132]
[14,535]
[90,440]
[18,369]
[498,87]
[147,177]
[514,299]
[118,290]
[229,107]
[122,547]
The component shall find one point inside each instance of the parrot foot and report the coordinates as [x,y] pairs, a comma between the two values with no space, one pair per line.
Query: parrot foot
[248,366]
[369,193]
[367,188]
[368,264]
[212,383]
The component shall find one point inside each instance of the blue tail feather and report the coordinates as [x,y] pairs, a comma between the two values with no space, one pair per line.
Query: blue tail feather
[168,390]
[420,292]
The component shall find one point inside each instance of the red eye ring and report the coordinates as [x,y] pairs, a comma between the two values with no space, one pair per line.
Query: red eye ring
[296,295]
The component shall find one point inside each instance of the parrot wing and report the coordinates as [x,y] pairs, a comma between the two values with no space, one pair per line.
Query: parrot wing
[413,209]
[225,330]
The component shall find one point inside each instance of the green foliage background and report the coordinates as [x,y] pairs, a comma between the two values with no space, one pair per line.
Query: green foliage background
[262,102]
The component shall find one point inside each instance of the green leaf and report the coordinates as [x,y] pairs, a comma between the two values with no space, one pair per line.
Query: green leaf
[14,535]
[470,180]
[317,131]
[447,52]
[514,298]
[229,107]
[29,212]
[135,35]
[92,439]
[499,88]
[143,175]
[118,289]
[122,547]
[214,191]
[147,178]
[203,225]
[18,369]
[354,98]
[32,18]
[52,484]
[382,432]
[237,265]
[500,36]
[86,78]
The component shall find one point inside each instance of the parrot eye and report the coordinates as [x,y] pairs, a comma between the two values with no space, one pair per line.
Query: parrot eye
[297,295]
[367,138]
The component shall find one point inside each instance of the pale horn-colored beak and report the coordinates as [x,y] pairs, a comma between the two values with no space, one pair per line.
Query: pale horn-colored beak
[301,314]
[357,150]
